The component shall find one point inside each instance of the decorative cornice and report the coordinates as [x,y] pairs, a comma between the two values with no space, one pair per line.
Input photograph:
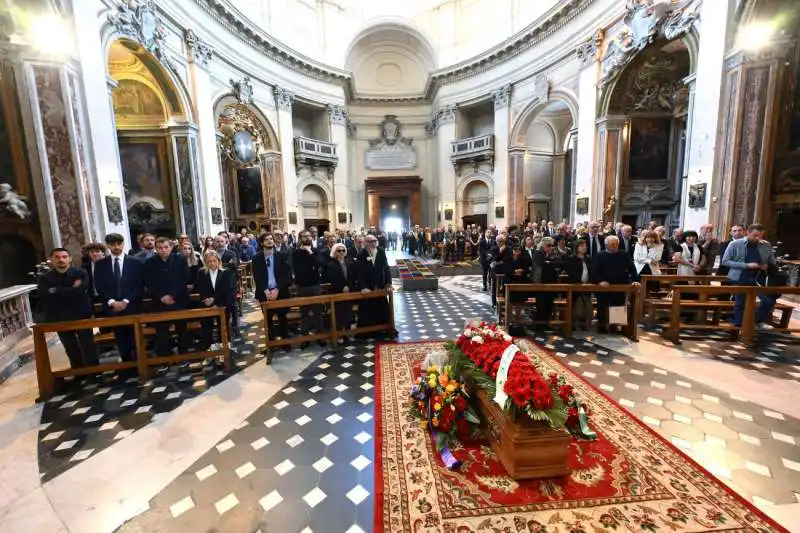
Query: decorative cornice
[138,20]
[199,51]
[774,51]
[644,22]
[337,114]
[284,99]
[589,50]
[238,24]
[502,97]
[243,90]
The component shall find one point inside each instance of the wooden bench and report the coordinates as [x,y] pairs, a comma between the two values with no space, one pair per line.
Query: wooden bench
[46,376]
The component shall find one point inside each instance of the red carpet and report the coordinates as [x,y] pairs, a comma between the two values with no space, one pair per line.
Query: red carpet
[629,479]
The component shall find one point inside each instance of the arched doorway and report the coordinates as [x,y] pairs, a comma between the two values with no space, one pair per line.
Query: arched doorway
[642,138]
[250,157]
[315,203]
[542,160]
[157,145]
[475,201]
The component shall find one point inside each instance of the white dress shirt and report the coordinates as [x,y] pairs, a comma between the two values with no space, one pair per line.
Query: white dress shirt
[213,275]
[121,269]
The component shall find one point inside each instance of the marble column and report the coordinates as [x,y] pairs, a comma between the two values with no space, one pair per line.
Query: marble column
[445,135]
[559,186]
[59,132]
[183,143]
[272,177]
[515,206]
[341,185]
[569,202]
[751,100]
[609,167]
[284,100]
[501,173]
[208,186]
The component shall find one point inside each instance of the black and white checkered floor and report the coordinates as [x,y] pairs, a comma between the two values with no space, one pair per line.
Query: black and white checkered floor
[303,460]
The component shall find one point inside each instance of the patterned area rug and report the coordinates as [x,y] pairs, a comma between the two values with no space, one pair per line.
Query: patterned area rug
[629,479]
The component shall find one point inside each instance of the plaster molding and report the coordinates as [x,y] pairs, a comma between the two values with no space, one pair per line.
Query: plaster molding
[337,114]
[589,51]
[284,99]
[198,50]
[502,97]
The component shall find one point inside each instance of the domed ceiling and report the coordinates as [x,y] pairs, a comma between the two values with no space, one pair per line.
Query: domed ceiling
[450,31]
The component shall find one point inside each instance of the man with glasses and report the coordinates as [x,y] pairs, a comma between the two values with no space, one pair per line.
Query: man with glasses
[272,275]
[373,274]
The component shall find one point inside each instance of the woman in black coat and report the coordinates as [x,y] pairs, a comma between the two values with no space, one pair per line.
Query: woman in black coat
[340,271]
[217,287]
[579,271]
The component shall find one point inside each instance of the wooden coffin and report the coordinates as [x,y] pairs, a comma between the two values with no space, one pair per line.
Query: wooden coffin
[528,449]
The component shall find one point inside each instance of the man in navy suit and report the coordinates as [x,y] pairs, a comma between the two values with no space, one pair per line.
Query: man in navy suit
[119,279]
[167,278]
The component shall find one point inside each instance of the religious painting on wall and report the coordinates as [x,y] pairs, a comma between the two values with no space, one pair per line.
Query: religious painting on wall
[251,192]
[697,195]
[135,99]
[448,214]
[114,208]
[649,148]
[216,215]
[582,205]
[500,212]
[143,166]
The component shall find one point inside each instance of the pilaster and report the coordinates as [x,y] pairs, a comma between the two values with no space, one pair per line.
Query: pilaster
[445,135]
[341,186]
[609,167]
[284,100]
[500,175]
[585,158]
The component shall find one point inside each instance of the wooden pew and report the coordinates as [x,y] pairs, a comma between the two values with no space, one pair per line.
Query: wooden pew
[568,290]
[651,305]
[333,334]
[748,328]
[46,376]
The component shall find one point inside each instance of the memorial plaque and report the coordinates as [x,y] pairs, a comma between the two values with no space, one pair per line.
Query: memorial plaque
[391,158]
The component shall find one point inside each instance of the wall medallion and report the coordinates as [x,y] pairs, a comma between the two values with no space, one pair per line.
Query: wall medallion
[243,146]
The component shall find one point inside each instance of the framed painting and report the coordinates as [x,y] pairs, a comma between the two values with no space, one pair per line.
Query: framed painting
[649,148]
[250,190]
[582,205]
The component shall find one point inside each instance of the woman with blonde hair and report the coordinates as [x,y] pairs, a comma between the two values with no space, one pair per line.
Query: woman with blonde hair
[647,254]
[340,271]
[217,287]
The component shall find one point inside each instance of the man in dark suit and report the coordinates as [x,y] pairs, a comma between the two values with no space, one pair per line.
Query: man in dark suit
[484,245]
[307,269]
[273,275]
[595,240]
[93,252]
[119,280]
[167,277]
[610,267]
[627,240]
[373,273]
[64,291]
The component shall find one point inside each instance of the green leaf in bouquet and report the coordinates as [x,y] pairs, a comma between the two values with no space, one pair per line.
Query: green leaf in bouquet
[441,440]
[471,417]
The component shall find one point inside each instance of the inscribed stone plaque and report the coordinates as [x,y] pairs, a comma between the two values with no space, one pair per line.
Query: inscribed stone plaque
[397,157]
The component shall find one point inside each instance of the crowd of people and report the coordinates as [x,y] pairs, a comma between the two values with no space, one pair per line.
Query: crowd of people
[616,255]
[161,274]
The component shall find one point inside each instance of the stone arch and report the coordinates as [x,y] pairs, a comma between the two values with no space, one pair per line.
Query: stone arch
[536,106]
[157,62]
[465,185]
[325,193]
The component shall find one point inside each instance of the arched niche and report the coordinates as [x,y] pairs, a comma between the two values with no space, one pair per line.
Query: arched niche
[157,143]
[641,136]
[476,199]
[541,162]
[315,204]
[251,170]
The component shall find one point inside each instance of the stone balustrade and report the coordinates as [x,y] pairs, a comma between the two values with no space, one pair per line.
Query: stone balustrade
[15,315]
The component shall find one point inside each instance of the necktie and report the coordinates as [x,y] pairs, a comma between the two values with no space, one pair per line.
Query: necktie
[118,276]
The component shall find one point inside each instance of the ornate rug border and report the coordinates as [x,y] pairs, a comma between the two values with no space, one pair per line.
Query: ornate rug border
[378,493]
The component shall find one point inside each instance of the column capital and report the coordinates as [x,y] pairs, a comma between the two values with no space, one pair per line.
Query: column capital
[199,52]
[447,114]
[338,114]
[589,50]
[283,98]
[502,97]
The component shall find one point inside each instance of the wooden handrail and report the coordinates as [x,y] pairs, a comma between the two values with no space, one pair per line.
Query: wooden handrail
[332,334]
[46,376]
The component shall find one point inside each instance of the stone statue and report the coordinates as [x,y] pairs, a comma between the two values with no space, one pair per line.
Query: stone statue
[12,202]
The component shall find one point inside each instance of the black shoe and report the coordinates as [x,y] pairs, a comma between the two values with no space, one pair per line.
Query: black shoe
[304,345]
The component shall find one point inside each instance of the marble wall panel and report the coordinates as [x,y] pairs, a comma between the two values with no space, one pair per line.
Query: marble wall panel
[186,185]
[63,175]
[84,169]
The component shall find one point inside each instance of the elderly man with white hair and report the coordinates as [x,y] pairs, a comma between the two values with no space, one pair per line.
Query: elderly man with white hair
[611,267]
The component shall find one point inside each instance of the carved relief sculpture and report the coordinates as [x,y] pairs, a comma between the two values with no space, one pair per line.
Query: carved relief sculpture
[243,90]
[199,51]
[12,203]
[589,50]
[138,20]
[644,22]
[391,151]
